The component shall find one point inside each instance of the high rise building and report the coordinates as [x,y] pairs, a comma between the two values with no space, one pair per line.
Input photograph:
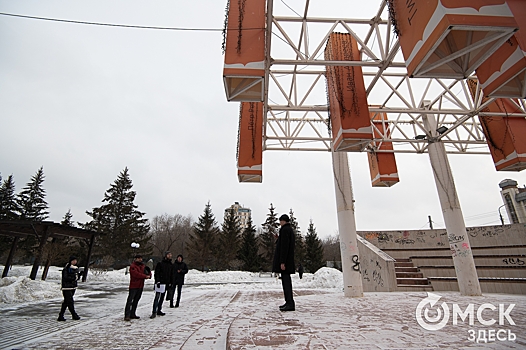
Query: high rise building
[241,213]
[514,199]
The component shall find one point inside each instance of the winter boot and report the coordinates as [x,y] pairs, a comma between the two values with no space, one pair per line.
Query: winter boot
[61,318]
[153,315]
[160,313]
[75,317]
[172,304]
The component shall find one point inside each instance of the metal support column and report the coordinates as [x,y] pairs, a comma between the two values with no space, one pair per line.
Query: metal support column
[352,278]
[38,258]
[10,257]
[467,277]
[88,258]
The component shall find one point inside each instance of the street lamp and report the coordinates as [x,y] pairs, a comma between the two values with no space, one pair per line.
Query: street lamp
[500,214]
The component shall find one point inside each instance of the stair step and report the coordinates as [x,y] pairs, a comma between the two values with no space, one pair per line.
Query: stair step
[409,275]
[413,287]
[403,264]
[406,269]
[412,281]
[403,260]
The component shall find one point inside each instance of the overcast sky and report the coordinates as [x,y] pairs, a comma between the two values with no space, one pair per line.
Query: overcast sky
[87,101]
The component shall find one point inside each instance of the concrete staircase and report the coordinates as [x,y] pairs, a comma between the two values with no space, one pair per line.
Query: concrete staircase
[409,278]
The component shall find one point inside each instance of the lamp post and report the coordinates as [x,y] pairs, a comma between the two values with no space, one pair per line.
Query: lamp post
[500,214]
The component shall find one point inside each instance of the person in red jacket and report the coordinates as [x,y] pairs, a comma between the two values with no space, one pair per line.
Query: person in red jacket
[137,276]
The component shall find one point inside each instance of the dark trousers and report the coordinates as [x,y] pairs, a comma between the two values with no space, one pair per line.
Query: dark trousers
[179,288]
[68,302]
[158,302]
[134,295]
[286,282]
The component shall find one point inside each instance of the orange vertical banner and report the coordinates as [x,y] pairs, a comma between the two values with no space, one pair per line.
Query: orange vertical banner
[382,165]
[349,112]
[250,142]
[244,69]
[503,74]
[450,38]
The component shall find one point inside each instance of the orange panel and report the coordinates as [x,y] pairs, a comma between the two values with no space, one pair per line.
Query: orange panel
[350,123]
[503,74]
[382,165]
[244,70]
[450,38]
[505,135]
[250,142]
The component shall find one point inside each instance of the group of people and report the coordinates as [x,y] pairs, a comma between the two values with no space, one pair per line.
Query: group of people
[169,277]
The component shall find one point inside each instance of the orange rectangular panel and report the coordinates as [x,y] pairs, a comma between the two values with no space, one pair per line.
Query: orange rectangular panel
[505,135]
[450,38]
[349,112]
[250,142]
[382,165]
[503,74]
[244,69]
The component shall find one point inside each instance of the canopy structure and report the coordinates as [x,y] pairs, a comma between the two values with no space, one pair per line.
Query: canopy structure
[43,231]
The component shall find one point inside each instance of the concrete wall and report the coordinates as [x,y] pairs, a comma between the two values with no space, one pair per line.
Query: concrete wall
[377,268]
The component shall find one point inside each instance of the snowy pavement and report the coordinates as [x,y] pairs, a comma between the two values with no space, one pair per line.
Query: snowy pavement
[242,313]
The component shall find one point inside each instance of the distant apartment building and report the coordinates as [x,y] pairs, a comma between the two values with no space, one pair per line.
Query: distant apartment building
[514,199]
[241,213]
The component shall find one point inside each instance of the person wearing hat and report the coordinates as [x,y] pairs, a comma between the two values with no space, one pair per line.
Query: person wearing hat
[283,262]
[138,273]
[70,275]
[163,281]
[180,269]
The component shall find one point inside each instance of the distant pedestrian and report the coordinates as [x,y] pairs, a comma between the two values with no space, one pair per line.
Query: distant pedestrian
[180,269]
[138,273]
[163,281]
[283,262]
[300,271]
[70,276]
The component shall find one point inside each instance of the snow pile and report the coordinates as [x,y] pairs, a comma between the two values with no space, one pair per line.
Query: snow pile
[195,276]
[326,277]
[22,289]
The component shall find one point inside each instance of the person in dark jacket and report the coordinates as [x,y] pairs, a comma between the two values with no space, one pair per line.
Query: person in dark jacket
[70,276]
[137,277]
[300,270]
[283,262]
[163,280]
[180,269]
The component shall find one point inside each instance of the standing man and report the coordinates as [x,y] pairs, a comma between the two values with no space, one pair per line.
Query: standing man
[180,269]
[163,282]
[284,261]
[70,276]
[137,277]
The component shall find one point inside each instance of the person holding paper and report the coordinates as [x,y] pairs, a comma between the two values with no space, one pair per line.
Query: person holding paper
[163,280]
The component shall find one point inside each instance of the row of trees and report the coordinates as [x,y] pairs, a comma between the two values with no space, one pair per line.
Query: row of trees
[205,243]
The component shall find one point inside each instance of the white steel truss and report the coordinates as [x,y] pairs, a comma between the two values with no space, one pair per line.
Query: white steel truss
[296,107]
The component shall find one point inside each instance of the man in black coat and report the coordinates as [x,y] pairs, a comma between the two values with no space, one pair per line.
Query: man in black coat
[284,261]
[70,275]
[180,269]
[163,281]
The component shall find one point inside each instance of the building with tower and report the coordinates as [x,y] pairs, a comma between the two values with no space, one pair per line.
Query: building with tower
[514,199]
[241,213]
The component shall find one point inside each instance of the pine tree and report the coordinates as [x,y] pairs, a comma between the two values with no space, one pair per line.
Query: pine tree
[66,220]
[119,222]
[228,243]
[31,200]
[203,240]
[313,250]
[299,245]
[267,238]
[248,252]
[8,203]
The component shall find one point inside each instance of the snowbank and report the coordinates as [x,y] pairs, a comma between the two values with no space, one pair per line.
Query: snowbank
[22,289]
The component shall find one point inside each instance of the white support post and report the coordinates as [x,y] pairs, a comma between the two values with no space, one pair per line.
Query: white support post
[467,277]
[352,278]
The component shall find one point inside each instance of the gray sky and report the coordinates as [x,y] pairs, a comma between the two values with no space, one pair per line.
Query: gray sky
[87,101]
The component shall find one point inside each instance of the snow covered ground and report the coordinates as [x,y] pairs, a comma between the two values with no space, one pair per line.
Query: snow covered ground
[239,310]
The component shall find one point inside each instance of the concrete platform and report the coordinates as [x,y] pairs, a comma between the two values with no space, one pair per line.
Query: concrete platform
[238,318]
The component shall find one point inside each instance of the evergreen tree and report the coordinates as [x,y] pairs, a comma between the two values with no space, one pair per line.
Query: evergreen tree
[66,220]
[203,240]
[8,203]
[31,201]
[313,250]
[228,243]
[248,252]
[119,222]
[299,245]
[267,238]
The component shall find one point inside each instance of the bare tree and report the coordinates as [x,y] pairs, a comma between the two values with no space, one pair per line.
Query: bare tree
[331,249]
[170,233]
